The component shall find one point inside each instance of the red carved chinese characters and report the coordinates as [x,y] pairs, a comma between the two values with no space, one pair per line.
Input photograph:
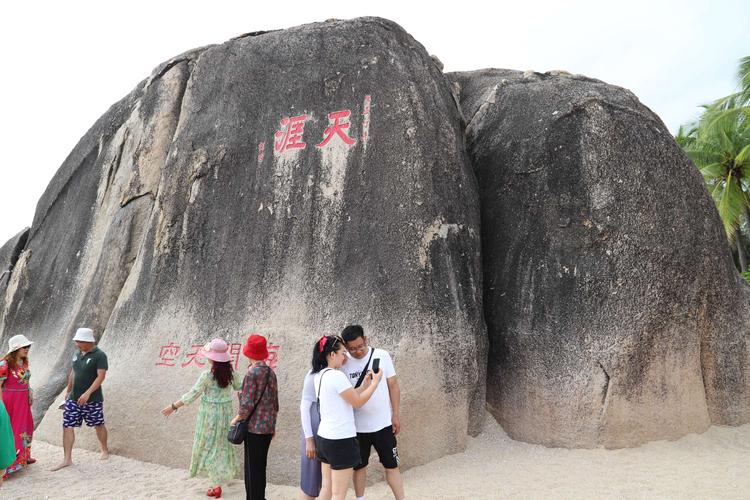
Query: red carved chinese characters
[290,135]
[261,151]
[234,354]
[167,354]
[273,356]
[366,119]
[337,128]
[195,357]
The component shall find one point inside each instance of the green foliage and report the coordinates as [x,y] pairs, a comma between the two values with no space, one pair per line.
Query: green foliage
[719,145]
[746,275]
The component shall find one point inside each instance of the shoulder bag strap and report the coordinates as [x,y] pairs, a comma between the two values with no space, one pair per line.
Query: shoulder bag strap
[320,384]
[364,370]
[255,406]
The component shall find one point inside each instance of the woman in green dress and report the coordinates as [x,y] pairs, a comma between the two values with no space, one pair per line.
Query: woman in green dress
[213,454]
[7,441]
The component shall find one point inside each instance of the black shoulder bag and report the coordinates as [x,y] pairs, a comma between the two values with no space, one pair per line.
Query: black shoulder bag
[238,430]
[364,370]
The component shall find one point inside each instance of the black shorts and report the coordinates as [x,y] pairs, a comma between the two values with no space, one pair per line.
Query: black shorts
[384,442]
[338,453]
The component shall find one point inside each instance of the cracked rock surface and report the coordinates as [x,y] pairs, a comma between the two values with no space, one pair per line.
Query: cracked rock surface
[614,313]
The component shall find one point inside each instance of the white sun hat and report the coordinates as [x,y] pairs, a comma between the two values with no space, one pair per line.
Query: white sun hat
[84,335]
[16,342]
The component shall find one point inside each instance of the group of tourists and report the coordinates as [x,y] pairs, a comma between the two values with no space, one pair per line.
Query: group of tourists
[213,455]
[346,410]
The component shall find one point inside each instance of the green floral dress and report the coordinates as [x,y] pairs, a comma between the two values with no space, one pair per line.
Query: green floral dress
[213,454]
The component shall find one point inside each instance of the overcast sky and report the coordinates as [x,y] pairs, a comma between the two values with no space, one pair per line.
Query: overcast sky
[65,63]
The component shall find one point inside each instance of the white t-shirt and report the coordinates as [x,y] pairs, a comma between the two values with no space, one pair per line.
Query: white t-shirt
[376,413]
[308,398]
[336,415]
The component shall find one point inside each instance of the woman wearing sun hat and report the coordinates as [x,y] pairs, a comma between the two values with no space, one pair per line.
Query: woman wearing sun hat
[17,398]
[213,454]
[259,400]
[7,441]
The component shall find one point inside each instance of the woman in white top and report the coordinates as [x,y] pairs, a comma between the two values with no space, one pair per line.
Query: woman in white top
[310,478]
[336,442]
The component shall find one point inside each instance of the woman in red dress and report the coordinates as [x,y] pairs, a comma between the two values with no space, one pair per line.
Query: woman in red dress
[17,397]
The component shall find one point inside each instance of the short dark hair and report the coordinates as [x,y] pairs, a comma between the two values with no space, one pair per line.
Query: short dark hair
[330,344]
[352,332]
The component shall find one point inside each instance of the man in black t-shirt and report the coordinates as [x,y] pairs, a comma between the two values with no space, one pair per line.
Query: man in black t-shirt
[83,396]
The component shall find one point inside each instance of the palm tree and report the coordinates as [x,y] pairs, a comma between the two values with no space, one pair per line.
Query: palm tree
[719,145]
[720,148]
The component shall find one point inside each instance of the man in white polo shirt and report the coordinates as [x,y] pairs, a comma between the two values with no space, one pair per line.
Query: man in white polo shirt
[378,421]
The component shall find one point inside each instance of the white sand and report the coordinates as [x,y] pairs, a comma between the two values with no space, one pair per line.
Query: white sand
[715,464]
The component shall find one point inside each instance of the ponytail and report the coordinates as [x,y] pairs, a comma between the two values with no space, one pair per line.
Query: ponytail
[321,349]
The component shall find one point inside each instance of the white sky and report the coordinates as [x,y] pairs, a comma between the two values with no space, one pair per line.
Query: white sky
[65,62]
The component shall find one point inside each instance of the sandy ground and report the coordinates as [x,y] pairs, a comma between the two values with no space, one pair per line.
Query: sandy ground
[715,464]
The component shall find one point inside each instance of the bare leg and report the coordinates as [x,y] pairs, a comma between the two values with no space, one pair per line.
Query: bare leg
[304,496]
[69,437]
[101,434]
[360,480]
[325,485]
[393,476]
[340,483]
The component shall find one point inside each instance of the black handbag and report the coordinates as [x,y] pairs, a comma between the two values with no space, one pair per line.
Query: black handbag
[238,430]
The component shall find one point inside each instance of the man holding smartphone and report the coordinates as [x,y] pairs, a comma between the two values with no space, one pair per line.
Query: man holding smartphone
[378,421]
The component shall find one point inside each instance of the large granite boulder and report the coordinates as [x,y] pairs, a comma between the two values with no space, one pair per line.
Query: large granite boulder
[614,313]
[286,183]
[88,228]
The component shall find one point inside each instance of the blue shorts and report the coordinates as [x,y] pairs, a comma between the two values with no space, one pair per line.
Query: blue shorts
[74,414]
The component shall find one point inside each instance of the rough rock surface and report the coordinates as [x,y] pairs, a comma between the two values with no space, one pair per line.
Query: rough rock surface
[192,210]
[614,313]
[9,255]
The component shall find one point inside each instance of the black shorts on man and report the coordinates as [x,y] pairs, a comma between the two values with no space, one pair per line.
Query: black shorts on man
[384,442]
[338,453]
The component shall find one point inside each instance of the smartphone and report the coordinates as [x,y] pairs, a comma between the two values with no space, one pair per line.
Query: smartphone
[376,365]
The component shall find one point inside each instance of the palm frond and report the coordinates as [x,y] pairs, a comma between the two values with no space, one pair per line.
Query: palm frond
[743,76]
[731,203]
[713,171]
[743,157]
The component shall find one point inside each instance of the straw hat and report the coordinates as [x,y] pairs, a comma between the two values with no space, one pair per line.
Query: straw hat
[16,342]
[216,350]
